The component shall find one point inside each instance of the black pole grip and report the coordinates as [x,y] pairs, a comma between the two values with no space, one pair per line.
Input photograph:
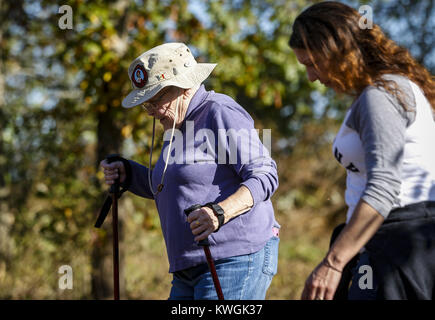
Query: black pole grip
[114,188]
[189,210]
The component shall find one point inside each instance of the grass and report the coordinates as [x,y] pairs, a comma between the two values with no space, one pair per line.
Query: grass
[33,274]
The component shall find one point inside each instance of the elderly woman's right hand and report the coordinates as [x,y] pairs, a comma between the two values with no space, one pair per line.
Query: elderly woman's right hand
[112,171]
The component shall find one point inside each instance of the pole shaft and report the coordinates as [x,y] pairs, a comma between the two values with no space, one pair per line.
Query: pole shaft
[115,247]
[214,275]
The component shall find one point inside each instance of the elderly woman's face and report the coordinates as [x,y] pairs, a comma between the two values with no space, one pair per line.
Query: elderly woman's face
[312,72]
[162,106]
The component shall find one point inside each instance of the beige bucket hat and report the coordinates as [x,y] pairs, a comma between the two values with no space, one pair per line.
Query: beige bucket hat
[169,64]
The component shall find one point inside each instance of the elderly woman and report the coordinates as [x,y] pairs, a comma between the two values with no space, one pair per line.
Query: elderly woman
[386,145]
[212,156]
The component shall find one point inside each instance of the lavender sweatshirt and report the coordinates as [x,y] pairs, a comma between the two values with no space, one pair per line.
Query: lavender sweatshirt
[205,166]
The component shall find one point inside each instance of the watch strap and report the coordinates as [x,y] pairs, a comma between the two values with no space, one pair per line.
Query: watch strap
[218,212]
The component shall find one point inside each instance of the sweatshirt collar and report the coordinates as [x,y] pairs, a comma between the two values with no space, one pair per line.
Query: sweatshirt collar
[198,98]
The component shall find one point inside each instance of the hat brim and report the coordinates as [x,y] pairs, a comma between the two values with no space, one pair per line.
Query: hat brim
[186,80]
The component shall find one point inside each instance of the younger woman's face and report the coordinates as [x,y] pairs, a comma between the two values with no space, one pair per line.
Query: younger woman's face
[313,72]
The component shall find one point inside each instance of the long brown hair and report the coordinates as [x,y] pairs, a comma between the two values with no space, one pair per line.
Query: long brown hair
[354,57]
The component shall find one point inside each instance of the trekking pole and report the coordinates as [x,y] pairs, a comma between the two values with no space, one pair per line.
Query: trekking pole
[205,244]
[114,192]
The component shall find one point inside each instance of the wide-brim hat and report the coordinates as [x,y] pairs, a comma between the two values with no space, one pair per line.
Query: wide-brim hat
[169,64]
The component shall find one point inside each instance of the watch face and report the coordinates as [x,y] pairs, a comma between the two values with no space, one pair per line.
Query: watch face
[217,208]
[218,212]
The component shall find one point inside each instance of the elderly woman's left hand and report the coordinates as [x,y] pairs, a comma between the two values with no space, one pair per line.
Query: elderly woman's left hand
[322,283]
[202,222]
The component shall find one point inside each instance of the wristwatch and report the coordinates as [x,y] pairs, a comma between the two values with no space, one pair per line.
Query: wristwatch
[218,212]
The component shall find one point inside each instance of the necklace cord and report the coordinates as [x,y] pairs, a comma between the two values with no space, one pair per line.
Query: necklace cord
[160,186]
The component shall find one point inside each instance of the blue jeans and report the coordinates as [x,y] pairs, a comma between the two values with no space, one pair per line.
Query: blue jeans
[245,277]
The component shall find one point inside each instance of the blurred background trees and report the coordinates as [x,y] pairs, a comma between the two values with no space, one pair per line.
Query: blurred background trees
[61,114]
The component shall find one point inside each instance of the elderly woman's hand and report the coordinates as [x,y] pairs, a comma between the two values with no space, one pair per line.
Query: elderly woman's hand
[202,222]
[322,283]
[112,171]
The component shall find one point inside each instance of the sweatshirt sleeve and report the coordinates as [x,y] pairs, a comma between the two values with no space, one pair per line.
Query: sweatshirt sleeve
[381,125]
[139,180]
[244,151]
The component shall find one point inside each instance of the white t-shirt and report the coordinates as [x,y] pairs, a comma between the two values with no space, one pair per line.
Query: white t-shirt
[389,153]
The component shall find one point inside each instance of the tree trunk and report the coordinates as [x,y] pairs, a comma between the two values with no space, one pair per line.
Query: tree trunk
[109,141]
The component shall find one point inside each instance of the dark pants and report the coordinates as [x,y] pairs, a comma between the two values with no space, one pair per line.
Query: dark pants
[402,253]
[401,256]
[364,282]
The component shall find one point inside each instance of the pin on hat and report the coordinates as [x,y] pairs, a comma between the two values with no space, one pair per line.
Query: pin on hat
[169,64]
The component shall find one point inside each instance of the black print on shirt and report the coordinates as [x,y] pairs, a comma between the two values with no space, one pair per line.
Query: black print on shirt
[352,168]
[339,156]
